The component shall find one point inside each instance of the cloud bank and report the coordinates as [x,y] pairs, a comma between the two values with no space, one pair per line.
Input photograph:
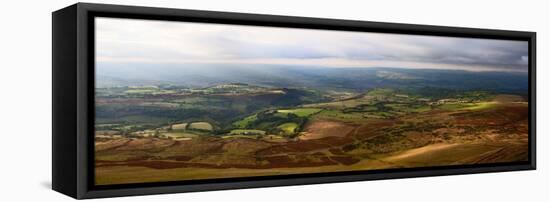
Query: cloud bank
[149,41]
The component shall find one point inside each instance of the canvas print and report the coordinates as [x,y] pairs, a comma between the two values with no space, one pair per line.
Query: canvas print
[180,101]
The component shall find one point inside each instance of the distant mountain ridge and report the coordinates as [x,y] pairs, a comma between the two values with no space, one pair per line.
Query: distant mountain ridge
[360,79]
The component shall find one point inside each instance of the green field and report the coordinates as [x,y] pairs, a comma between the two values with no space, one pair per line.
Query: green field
[244,122]
[201,126]
[288,128]
[180,126]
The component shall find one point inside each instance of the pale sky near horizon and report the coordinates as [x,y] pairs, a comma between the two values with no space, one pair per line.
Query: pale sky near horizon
[150,41]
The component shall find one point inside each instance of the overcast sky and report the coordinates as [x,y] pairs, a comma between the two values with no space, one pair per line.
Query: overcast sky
[148,41]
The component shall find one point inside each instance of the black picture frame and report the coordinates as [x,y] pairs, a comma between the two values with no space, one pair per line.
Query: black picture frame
[73,99]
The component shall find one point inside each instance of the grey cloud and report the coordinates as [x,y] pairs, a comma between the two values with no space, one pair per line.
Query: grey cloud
[178,41]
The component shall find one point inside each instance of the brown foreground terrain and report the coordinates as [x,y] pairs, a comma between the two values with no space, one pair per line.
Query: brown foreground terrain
[494,132]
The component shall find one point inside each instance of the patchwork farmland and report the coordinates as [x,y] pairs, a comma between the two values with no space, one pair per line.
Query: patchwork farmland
[152,134]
